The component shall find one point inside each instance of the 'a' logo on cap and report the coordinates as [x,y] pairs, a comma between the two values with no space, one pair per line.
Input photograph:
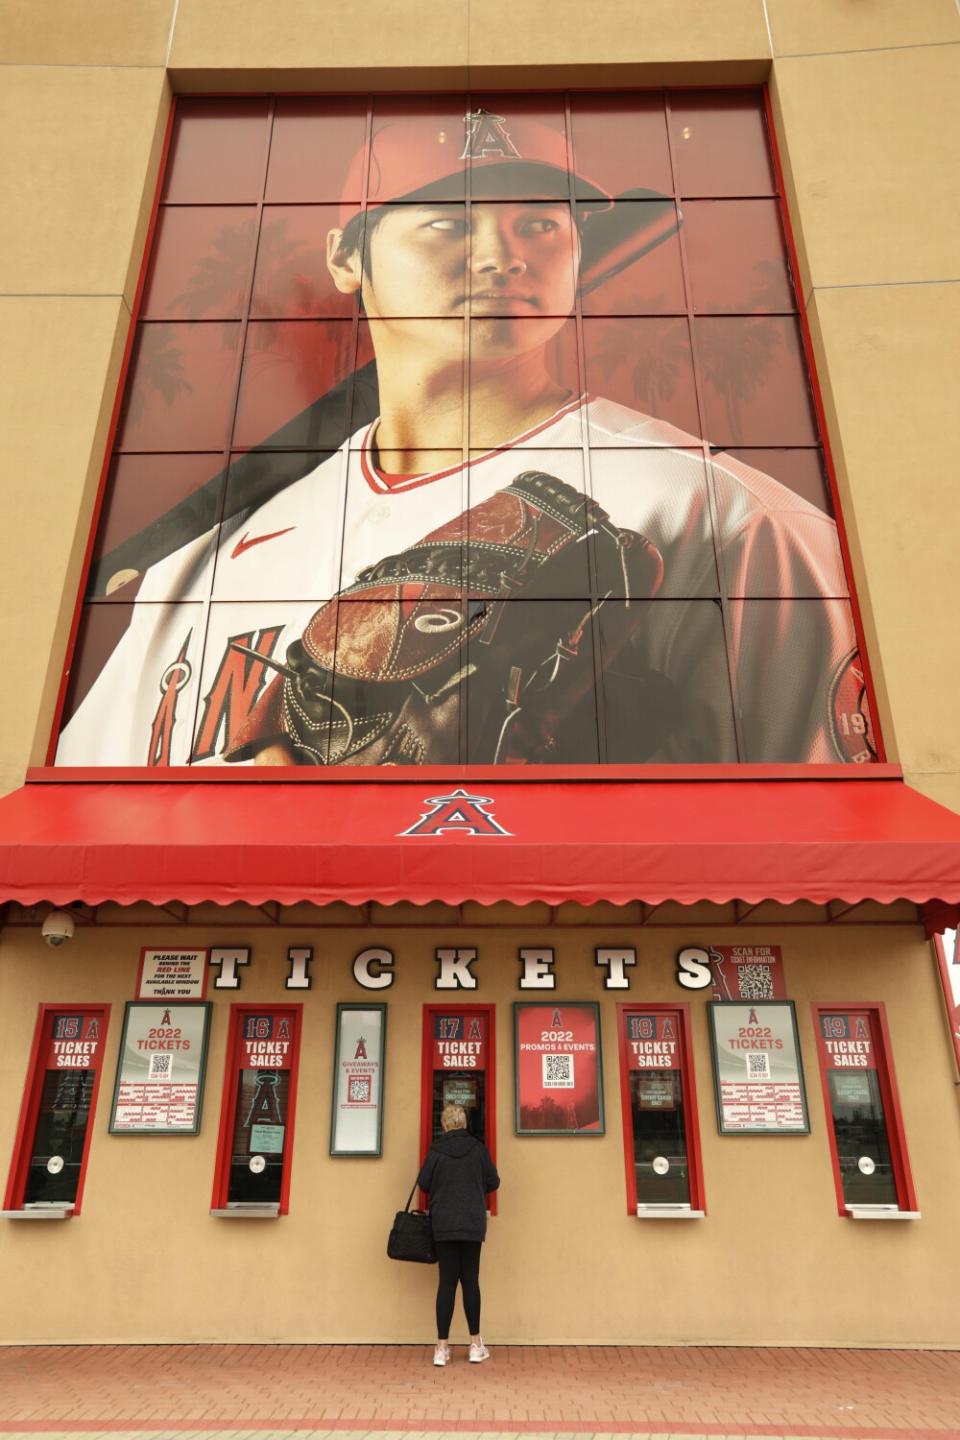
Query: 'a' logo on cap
[487,135]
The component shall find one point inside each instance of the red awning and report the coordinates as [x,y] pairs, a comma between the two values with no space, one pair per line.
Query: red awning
[728,834]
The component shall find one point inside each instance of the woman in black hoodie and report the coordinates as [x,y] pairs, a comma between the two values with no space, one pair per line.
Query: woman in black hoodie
[458,1174]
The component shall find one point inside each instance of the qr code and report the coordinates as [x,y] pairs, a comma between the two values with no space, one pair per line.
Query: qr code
[161,1067]
[758,1067]
[358,1090]
[755,982]
[557,1072]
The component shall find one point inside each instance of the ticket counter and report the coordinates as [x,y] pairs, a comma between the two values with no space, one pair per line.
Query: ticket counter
[602,1109]
[459,1068]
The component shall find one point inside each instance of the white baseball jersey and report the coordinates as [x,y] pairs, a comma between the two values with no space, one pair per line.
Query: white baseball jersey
[176,687]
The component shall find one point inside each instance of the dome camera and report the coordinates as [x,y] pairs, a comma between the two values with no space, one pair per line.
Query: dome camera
[57,929]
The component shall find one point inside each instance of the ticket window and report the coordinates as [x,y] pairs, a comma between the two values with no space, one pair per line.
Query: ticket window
[661,1138]
[868,1148]
[459,1069]
[256,1125]
[50,1155]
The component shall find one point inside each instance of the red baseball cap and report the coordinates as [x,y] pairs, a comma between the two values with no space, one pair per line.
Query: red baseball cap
[496,157]
[432,153]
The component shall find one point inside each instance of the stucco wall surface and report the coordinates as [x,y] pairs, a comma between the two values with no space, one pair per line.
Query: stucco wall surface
[563,1261]
[865,107]
[865,101]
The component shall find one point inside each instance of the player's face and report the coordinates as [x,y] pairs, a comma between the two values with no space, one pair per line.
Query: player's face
[510,268]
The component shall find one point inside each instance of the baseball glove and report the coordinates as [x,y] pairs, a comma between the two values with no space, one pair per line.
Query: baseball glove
[379,674]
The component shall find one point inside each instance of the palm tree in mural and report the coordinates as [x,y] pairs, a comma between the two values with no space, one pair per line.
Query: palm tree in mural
[158,365]
[285,286]
[219,286]
[736,354]
[645,376]
[219,283]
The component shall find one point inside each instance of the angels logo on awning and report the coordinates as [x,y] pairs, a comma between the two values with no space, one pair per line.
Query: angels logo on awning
[459,811]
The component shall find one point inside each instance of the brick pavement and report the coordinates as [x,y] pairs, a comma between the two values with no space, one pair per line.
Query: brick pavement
[382,1392]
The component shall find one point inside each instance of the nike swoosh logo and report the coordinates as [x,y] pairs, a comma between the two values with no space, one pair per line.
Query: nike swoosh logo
[245,543]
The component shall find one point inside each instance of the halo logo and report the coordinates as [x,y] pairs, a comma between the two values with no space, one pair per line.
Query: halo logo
[487,135]
[459,811]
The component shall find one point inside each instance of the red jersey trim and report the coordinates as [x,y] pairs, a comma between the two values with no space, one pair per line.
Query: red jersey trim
[382,486]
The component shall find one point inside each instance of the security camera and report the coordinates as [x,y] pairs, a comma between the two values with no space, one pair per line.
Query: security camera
[57,929]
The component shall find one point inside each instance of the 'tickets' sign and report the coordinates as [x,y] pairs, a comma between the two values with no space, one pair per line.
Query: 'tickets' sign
[74,1042]
[652,1042]
[559,1084]
[265,1042]
[846,1043]
[848,1055]
[459,1042]
[757,1071]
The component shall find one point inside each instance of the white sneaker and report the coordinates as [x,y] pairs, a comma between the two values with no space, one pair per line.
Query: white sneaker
[441,1355]
[478,1353]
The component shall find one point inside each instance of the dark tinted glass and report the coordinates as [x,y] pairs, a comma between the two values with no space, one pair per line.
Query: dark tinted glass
[534,348]
[659,1134]
[863,1150]
[259,1134]
[60,1135]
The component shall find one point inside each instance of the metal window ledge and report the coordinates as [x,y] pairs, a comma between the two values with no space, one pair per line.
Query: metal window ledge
[669,1212]
[39,1212]
[880,1212]
[248,1211]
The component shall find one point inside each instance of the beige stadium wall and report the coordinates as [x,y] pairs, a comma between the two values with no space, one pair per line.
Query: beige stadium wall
[773,1263]
[866,100]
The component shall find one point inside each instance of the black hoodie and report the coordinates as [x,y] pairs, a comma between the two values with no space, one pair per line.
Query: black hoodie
[457,1175]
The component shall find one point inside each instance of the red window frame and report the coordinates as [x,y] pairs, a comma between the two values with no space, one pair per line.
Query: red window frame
[490,1071]
[30,1105]
[688,1089]
[951,1008]
[231,1079]
[573,772]
[889,1094]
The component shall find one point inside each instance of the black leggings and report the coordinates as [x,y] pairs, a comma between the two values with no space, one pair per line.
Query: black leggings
[459,1260]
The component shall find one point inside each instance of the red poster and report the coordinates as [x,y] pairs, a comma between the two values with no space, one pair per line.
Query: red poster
[559,1085]
[845,1041]
[747,972]
[459,1042]
[73,1042]
[652,1042]
[266,1042]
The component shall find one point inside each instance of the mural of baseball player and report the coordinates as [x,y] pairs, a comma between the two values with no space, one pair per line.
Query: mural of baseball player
[493,563]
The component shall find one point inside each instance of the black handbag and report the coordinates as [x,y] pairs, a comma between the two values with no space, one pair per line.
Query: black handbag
[412,1235]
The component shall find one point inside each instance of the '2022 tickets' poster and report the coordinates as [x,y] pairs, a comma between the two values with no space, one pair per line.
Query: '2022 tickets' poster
[758,1076]
[163,1056]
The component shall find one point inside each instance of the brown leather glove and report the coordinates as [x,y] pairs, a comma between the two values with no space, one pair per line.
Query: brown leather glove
[380,672]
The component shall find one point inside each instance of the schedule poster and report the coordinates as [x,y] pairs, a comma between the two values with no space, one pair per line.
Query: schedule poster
[758,1077]
[356,1126]
[160,1073]
[559,1084]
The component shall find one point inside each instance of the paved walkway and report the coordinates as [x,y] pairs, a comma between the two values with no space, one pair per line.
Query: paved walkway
[319,1392]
